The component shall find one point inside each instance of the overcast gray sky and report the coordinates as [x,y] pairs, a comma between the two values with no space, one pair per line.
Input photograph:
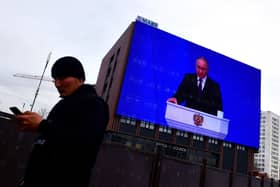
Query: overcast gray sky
[246,30]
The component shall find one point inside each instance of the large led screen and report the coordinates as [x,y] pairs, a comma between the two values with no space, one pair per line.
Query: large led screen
[160,64]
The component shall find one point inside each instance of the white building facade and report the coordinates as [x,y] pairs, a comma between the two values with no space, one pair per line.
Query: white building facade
[268,157]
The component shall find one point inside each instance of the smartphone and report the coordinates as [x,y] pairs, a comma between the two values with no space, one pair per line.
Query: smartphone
[15,110]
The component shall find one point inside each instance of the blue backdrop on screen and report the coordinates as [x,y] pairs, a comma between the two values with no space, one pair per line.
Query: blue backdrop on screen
[156,65]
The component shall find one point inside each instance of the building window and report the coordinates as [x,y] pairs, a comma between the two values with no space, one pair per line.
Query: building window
[165,134]
[127,121]
[147,129]
[212,141]
[165,130]
[198,137]
[111,59]
[127,125]
[228,145]
[104,88]
[182,134]
[147,125]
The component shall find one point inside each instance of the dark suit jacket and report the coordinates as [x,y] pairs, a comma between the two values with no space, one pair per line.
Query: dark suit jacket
[210,100]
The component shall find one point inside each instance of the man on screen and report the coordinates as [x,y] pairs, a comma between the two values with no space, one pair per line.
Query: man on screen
[199,91]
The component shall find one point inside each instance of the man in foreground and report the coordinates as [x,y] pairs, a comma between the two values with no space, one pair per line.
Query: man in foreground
[70,137]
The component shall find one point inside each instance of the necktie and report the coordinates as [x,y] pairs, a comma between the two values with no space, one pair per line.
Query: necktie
[200,86]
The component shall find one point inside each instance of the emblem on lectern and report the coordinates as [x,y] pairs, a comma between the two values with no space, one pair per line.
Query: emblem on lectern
[198,119]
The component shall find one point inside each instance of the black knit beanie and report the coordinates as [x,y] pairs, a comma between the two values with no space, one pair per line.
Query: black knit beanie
[68,67]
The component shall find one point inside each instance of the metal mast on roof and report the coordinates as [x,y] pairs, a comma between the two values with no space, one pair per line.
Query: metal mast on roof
[42,76]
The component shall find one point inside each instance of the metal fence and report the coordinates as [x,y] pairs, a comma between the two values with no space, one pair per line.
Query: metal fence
[121,166]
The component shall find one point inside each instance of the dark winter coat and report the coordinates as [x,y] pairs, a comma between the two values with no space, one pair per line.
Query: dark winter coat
[70,138]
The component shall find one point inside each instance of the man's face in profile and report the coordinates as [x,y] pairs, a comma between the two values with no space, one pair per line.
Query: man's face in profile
[201,68]
[67,85]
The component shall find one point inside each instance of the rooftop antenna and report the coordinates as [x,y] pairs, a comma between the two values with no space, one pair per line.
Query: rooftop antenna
[42,76]
[36,77]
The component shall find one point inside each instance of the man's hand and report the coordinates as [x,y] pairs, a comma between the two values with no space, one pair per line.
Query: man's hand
[172,100]
[29,121]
